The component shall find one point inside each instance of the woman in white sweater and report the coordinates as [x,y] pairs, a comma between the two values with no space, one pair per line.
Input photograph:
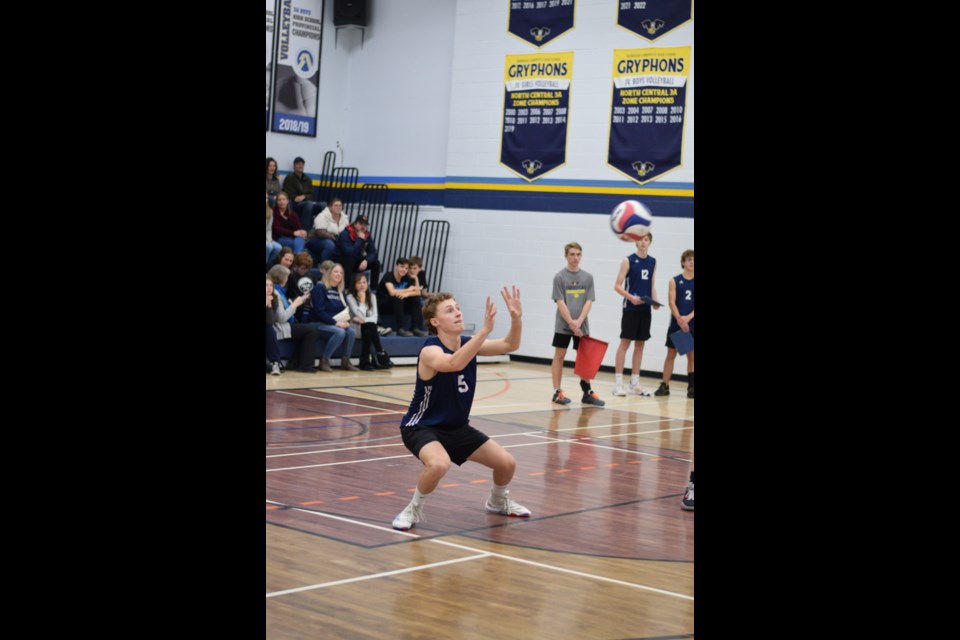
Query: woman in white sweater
[363,314]
[322,243]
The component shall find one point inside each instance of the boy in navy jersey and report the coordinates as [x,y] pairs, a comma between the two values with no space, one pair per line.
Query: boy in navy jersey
[681,306]
[634,280]
[436,428]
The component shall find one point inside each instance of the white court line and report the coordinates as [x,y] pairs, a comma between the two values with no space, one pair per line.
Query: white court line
[643,453]
[333,464]
[377,446]
[570,571]
[546,440]
[480,554]
[372,576]
[352,404]
[537,433]
[307,453]
[327,417]
[342,519]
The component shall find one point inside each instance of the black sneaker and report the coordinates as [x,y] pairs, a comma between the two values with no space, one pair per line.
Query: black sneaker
[592,398]
[662,390]
[560,397]
[690,392]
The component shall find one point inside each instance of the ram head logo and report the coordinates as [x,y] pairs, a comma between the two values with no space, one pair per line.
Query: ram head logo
[643,167]
[652,26]
[539,33]
[531,165]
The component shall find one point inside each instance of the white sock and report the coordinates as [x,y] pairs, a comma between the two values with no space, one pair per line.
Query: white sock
[498,491]
[417,498]
[634,380]
[619,378]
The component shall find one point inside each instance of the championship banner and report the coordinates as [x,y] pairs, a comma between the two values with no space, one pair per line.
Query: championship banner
[296,80]
[653,18]
[536,98]
[540,21]
[646,124]
[271,5]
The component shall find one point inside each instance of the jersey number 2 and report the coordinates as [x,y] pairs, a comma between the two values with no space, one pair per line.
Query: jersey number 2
[462,384]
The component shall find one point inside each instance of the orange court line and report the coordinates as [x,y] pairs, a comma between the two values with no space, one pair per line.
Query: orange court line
[385,493]
[478,481]
[349,498]
[312,502]
[447,486]
[506,387]
[272,506]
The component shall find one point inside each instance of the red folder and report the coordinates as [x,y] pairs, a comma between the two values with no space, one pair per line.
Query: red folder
[589,356]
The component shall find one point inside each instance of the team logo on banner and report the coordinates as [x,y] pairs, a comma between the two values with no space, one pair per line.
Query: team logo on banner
[536,99]
[653,18]
[299,25]
[540,21]
[646,119]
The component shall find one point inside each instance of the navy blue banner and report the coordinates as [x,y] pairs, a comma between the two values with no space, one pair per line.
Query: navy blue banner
[536,101]
[647,114]
[540,21]
[653,18]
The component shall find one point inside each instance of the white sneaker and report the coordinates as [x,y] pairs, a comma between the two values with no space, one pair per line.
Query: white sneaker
[506,507]
[687,503]
[275,369]
[618,390]
[408,517]
[637,390]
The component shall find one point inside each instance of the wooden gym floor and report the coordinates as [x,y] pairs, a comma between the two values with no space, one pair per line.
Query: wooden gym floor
[607,553]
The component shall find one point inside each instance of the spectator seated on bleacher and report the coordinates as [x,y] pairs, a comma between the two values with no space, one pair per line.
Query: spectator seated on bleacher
[357,251]
[299,188]
[286,225]
[397,296]
[327,227]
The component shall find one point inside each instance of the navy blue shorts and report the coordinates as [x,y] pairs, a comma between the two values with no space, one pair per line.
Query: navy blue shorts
[635,325]
[458,442]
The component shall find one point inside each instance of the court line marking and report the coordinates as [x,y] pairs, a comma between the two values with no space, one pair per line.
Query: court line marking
[352,404]
[480,554]
[546,440]
[540,433]
[342,519]
[323,416]
[570,571]
[372,576]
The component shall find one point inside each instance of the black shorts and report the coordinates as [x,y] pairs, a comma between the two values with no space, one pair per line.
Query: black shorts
[458,442]
[635,325]
[670,342]
[562,340]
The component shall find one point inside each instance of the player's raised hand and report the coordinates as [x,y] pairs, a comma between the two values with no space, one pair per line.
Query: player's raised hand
[513,301]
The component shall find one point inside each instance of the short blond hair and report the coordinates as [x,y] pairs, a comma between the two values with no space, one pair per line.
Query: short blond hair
[430,309]
[571,245]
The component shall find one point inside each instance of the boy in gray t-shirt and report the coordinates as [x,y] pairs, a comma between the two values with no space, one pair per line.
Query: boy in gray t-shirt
[573,292]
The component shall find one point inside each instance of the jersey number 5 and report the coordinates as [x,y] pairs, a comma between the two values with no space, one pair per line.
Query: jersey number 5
[462,384]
